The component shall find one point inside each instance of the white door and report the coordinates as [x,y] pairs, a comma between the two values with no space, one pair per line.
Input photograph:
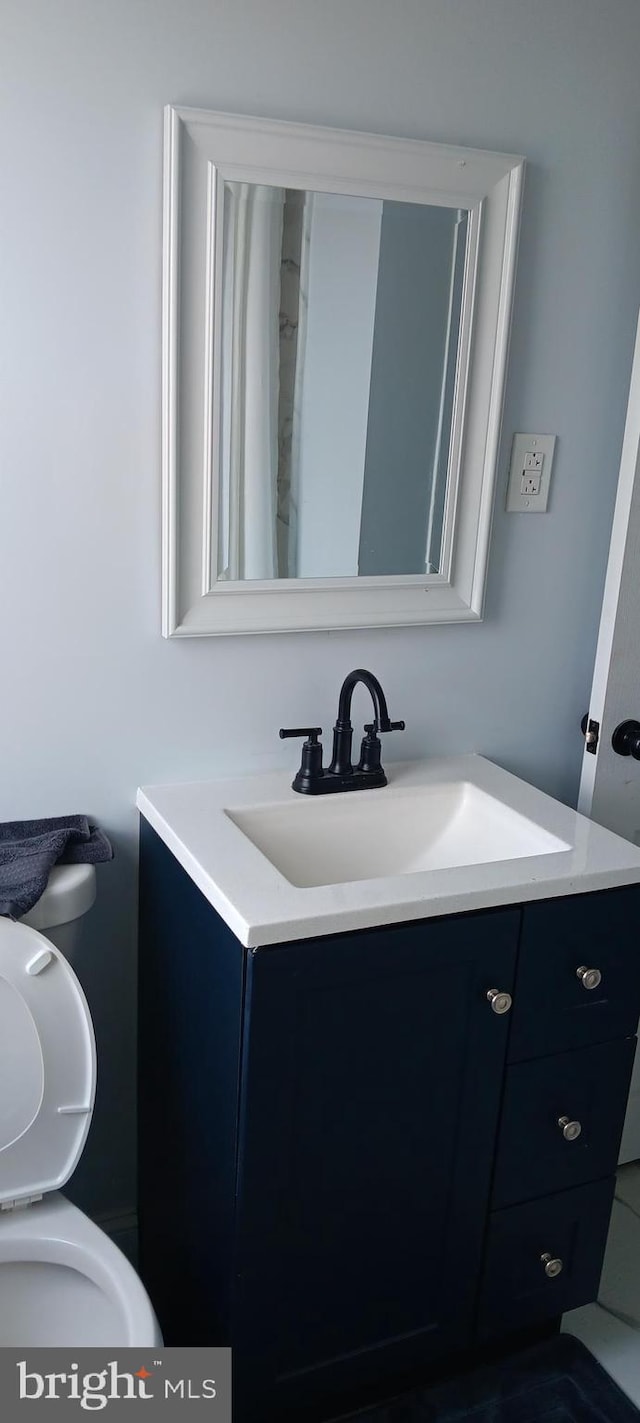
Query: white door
[610,783]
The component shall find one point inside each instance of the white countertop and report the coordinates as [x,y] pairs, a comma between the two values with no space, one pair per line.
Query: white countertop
[262,907]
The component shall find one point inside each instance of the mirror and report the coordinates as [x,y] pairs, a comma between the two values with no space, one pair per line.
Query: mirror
[336,314]
[340,330]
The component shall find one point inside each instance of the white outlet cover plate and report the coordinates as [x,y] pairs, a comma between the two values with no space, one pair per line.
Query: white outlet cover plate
[524,445]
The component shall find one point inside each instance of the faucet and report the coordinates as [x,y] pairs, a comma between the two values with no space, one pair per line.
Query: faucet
[315,779]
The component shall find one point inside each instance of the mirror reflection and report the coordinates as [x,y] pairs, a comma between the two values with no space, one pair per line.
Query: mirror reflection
[339,352]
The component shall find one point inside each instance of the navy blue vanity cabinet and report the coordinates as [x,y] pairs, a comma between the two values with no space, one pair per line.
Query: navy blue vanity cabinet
[317,1133]
[353,1169]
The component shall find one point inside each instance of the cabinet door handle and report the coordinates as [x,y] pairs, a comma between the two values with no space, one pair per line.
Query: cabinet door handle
[589,977]
[552,1266]
[500,1002]
[570,1130]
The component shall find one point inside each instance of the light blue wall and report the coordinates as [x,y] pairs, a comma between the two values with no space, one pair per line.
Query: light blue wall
[94,701]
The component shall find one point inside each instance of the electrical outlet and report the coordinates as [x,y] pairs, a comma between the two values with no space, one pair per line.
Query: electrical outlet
[530,473]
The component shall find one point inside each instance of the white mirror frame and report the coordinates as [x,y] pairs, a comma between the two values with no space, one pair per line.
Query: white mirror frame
[202,150]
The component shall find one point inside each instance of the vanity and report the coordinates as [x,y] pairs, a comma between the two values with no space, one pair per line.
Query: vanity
[385,1049]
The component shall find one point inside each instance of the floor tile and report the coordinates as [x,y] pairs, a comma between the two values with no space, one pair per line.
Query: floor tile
[628,1186]
[620,1282]
[615,1341]
[613,1344]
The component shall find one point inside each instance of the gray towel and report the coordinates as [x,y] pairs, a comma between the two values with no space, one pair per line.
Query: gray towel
[30,848]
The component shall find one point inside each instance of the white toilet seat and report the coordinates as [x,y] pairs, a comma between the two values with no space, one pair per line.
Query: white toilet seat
[47,1065]
[63,1282]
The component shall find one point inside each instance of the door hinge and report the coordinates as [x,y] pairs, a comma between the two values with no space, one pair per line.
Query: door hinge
[591,733]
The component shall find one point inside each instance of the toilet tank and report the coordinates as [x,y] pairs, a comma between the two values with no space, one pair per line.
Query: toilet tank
[70,893]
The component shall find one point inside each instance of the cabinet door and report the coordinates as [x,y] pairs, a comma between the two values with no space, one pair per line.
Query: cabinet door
[369,1102]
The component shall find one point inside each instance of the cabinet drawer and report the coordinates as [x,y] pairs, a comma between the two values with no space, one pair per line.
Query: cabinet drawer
[587,1088]
[553,1011]
[571,1228]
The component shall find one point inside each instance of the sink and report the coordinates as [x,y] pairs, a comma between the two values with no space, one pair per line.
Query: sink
[370,835]
[447,835]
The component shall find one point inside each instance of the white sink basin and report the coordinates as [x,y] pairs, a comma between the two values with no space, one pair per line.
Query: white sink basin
[374,834]
[444,837]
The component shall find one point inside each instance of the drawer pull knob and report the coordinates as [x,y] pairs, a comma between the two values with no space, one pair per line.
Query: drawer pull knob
[589,977]
[500,1002]
[570,1130]
[552,1266]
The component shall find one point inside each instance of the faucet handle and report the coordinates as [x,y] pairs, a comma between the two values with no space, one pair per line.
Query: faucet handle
[311,772]
[373,728]
[311,732]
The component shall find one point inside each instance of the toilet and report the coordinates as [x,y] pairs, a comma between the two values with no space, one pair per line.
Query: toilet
[63,1282]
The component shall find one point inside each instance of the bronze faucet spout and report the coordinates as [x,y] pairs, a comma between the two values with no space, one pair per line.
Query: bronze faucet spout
[377,696]
[341,764]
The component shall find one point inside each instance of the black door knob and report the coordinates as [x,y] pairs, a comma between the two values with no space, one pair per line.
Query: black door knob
[626,739]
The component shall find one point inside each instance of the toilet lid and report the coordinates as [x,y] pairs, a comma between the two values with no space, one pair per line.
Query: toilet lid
[47,1065]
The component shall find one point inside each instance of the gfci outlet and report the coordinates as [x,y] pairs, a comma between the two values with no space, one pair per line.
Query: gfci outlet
[530,473]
